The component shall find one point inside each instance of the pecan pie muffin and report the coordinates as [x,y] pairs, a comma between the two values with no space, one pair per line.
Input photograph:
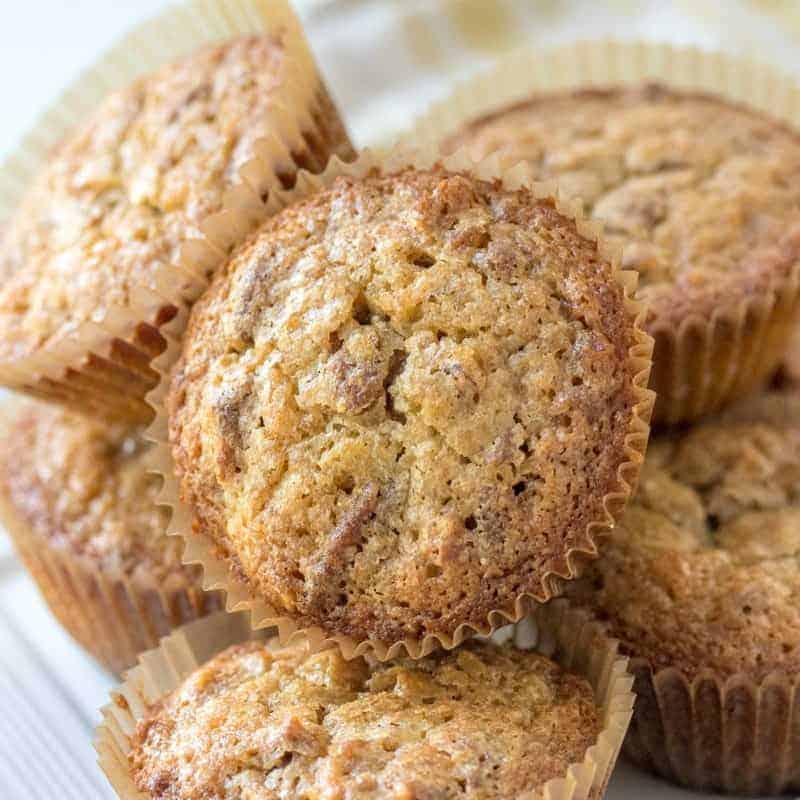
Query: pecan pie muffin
[481,722]
[78,501]
[409,401]
[704,195]
[701,584]
[97,238]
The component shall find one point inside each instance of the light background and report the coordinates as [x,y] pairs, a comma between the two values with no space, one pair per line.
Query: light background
[384,61]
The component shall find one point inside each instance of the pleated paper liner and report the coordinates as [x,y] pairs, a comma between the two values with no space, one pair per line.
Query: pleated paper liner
[201,549]
[706,360]
[712,733]
[563,634]
[103,366]
[110,614]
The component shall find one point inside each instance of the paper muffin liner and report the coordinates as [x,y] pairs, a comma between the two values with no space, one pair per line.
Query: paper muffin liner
[110,614]
[705,360]
[563,634]
[103,366]
[200,547]
[713,733]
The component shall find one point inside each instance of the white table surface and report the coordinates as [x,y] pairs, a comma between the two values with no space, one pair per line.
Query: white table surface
[50,691]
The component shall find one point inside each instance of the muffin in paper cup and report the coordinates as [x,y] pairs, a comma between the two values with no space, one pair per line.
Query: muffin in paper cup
[555,631]
[685,157]
[367,406]
[733,734]
[78,502]
[120,200]
[700,583]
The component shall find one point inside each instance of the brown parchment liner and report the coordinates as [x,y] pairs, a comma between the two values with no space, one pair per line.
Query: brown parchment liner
[110,614]
[200,547]
[103,367]
[714,733]
[566,635]
[705,360]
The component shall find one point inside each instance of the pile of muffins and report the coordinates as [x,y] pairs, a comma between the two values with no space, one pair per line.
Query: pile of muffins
[365,436]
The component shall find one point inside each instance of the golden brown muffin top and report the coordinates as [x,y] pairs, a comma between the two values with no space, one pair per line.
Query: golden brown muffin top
[122,192]
[704,194]
[703,569]
[402,403]
[482,722]
[85,487]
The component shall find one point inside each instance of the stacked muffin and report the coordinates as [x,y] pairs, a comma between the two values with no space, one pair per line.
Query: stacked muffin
[486,720]
[702,194]
[410,406]
[386,399]
[77,498]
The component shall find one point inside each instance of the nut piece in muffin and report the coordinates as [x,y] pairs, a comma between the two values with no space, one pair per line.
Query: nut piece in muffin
[80,505]
[405,402]
[703,193]
[137,179]
[482,722]
[702,571]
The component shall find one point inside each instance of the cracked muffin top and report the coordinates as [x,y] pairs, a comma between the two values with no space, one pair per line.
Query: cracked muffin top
[402,403]
[702,570]
[705,194]
[482,722]
[85,487]
[125,189]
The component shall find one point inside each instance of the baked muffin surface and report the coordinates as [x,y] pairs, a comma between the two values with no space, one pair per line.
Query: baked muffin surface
[482,722]
[85,487]
[403,402]
[703,193]
[123,191]
[703,571]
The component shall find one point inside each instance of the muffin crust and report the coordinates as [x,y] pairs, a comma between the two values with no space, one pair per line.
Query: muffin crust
[703,193]
[703,571]
[481,722]
[402,404]
[132,183]
[85,487]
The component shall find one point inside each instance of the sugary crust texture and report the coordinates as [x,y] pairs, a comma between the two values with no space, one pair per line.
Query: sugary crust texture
[704,194]
[703,571]
[482,722]
[403,402]
[85,487]
[123,192]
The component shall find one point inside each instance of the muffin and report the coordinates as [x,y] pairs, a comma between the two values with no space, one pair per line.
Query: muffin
[412,399]
[259,720]
[92,259]
[704,195]
[79,504]
[701,585]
